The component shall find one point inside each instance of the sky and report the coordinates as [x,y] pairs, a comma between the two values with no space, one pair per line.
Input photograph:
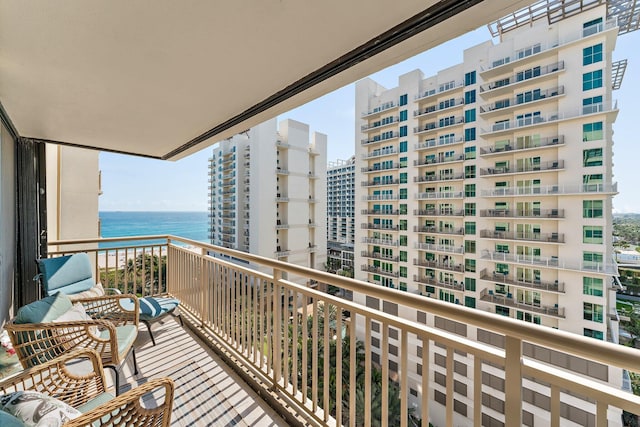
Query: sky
[132,183]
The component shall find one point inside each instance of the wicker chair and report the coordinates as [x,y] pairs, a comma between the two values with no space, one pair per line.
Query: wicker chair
[86,392]
[111,332]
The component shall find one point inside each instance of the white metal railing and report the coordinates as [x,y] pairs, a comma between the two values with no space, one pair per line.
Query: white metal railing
[439,195]
[551,262]
[550,190]
[431,143]
[287,335]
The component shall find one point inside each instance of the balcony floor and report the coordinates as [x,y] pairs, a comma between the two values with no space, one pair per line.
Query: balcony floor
[208,392]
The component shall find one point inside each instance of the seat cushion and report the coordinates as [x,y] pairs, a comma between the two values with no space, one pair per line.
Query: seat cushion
[95,402]
[8,420]
[45,310]
[152,307]
[68,274]
[125,336]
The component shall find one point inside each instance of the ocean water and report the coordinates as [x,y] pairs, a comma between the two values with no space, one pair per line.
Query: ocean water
[191,225]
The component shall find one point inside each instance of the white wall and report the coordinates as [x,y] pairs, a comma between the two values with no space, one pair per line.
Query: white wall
[7,223]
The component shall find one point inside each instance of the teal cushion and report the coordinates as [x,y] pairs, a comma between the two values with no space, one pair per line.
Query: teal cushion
[95,402]
[69,274]
[152,307]
[125,335]
[8,420]
[45,310]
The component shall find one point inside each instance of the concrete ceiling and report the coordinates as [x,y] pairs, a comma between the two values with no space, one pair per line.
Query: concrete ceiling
[164,78]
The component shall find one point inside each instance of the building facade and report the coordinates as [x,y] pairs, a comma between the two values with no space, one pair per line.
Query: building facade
[341,214]
[267,193]
[490,185]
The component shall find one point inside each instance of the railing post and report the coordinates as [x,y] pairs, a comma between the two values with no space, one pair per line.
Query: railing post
[204,279]
[276,335]
[513,381]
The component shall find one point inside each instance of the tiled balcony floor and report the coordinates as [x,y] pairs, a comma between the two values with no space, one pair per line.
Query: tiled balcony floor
[208,392]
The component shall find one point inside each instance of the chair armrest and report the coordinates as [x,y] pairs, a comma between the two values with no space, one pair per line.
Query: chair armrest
[120,309]
[55,378]
[112,291]
[37,343]
[128,406]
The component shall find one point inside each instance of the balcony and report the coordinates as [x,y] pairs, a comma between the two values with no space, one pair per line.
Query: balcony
[441,124]
[377,270]
[380,109]
[450,266]
[435,161]
[535,96]
[385,227]
[380,183]
[531,213]
[430,195]
[536,284]
[379,124]
[222,307]
[508,301]
[381,242]
[450,249]
[434,109]
[380,153]
[380,168]
[441,177]
[517,235]
[552,165]
[438,212]
[440,142]
[551,190]
[551,262]
[528,144]
[378,255]
[438,230]
[442,89]
[507,84]
[380,138]
[379,212]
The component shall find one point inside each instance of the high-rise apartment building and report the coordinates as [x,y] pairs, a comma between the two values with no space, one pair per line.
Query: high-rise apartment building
[341,176]
[490,185]
[267,193]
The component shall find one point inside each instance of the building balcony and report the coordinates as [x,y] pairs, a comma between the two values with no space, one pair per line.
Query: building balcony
[441,124]
[380,168]
[218,387]
[440,177]
[528,144]
[379,197]
[508,84]
[450,266]
[381,242]
[535,96]
[531,213]
[430,195]
[530,236]
[508,301]
[536,284]
[552,165]
[379,124]
[552,262]
[378,255]
[438,212]
[385,227]
[438,230]
[380,183]
[380,153]
[377,270]
[428,280]
[433,143]
[437,108]
[380,212]
[380,109]
[435,161]
[450,249]
[429,94]
[551,190]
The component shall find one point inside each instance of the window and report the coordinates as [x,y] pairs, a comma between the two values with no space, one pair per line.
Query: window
[528,51]
[592,157]
[403,256]
[470,265]
[592,54]
[592,80]
[469,190]
[470,115]
[503,311]
[403,178]
[592,286]
[470,77]
[403,194]
[469,302]
[593,334]
[591,27]
[592,259]
[403,209]
[592,234]
[403,286]
[470,153]
[592,131]
[592,312]
[403,240]
[469,227]
[502,268]
[403,99]
[403,225]
[469,246]
[469,284]
[527,74]
[470,134]
[403,271]
[403,146]
[592,105]
[403,115]
[403,162]
[502,248]
[403,131]
[592,208]
[469,209]
[470,171]
[470,97]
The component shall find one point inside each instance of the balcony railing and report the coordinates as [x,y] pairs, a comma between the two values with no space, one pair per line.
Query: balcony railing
[433,143]
[522,100]
[378,270]
[438,125]
[379,124]
[379,153]
[432,109]
[440,212]
[537,167]
[386,227]
[440,195]
[379,138]
[518,213]
[441,177]
[538,284]
[273,328]
[438,230]
[379,183]
[440,248]
[528,144]
[550,190]
[378,255]
[439,265]
[514,79]
[384,107]
[523,235]
[455,285]
[380,212]
[551,262]
[435,161]
[380,168]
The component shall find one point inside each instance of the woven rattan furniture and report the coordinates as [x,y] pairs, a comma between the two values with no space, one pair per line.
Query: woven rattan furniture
[86,392]
[111,332]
